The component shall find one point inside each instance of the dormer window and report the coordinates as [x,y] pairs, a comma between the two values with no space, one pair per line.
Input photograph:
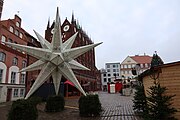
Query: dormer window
[17,24]
[11,29]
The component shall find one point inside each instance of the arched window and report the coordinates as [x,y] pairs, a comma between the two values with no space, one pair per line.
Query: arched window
[15,61]
[13,77]
[2,57]
[1,75]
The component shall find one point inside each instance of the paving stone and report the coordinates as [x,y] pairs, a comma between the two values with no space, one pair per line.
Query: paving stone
[117,107]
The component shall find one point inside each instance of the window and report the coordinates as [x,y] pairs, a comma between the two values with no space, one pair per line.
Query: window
[105,80]
[23,64]
[74,29]
[117,65]
[17,32]
[133,65]
[23,77]
[109,74]
[17,24]
[32,40]
[114,66]
[1,75]
[13,77]
[146,65]
[2,57]
[109,79]
[10,40]
[3,39]
[114,70]
[117,70]
[104,75]
[11,29]
[15,61]
[129,66]
[15,92]
[22,91]
[108,66]
[122,66]
[142,65]
[21,35]
[125,66]
[108,70]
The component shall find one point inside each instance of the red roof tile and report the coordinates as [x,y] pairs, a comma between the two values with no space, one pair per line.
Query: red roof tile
[142,59]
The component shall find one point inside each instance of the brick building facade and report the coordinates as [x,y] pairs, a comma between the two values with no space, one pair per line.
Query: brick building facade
[12,83]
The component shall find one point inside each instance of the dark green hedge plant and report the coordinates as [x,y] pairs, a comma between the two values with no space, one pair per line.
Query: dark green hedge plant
[55,103]
[22,110]
[35,100]
[89,105]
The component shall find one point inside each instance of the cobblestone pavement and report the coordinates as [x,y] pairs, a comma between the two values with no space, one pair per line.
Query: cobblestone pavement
[115,107]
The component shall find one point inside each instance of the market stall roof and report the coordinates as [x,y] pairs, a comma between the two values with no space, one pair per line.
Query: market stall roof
[69,82]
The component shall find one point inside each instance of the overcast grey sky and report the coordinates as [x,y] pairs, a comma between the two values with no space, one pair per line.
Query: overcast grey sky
[126,27]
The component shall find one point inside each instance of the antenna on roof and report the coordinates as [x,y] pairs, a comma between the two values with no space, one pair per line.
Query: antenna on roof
[18,13]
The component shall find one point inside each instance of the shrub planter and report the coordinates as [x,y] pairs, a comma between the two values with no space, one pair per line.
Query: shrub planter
[22,110]
[89,105]
[55,103]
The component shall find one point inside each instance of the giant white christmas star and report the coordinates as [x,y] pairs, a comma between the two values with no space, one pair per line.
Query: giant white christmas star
[55,59]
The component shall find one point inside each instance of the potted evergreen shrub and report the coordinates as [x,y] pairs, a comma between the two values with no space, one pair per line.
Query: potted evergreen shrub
[22,110]
[55,103]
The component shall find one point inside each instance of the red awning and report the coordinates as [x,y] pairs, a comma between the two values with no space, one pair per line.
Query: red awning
[68,82]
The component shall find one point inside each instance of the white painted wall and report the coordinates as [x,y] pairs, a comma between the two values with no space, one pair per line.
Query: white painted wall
[3,94]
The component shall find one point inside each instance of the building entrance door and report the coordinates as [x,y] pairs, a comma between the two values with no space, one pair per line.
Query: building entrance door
[9,94]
